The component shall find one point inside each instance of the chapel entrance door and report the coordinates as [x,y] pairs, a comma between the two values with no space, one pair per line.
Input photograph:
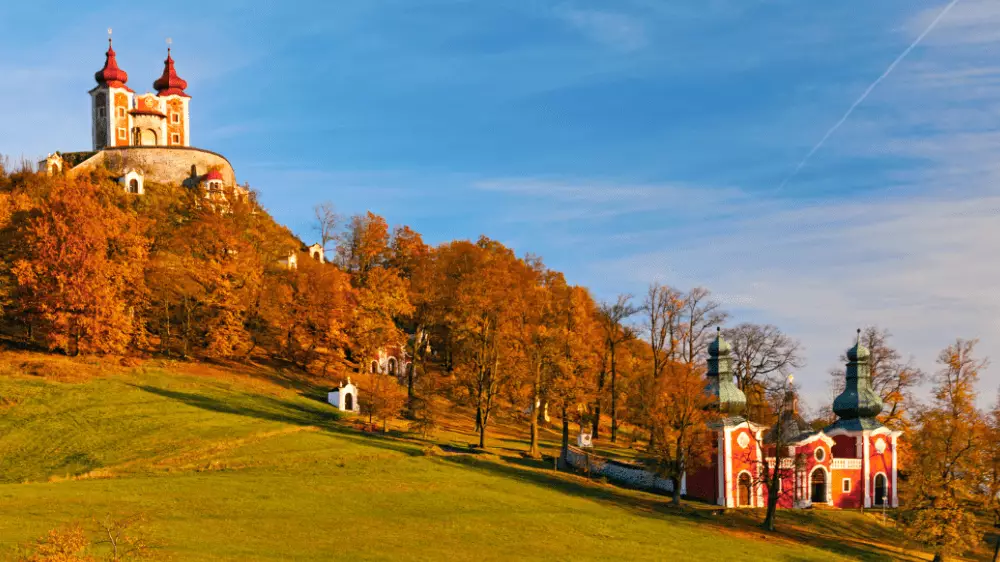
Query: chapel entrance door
[880,489]
[349,402]
[818,492]
[744,486]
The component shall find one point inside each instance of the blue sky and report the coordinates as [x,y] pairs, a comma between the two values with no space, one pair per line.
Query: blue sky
[624,141]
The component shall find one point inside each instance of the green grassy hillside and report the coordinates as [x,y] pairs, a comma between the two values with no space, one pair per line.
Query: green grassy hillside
[249,466]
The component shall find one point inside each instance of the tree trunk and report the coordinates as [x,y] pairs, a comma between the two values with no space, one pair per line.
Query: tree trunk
[676,495]
[535,406]
[772,509]
[996,551]
[482,436]
[938,557]
[614,397]
[596,422]
[564,449]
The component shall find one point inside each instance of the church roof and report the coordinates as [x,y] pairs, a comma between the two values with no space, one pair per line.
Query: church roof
[111,75]
[790,427]
[169,84]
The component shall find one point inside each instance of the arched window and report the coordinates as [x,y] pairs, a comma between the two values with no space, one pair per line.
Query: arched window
[133,186]
[392,366]
[374,366]
[881,489]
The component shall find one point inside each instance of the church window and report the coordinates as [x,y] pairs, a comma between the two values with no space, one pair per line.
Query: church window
[175,117]
[100,111]
[122,133]
[846,485]
[175,138]
[121,112]
[820,454]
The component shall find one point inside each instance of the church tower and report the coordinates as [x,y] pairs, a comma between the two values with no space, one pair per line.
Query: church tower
[111,100]
[170,89]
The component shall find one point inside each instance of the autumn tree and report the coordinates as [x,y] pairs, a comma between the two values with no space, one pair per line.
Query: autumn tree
[309,310]
[79,268]
[945,473]
[579,348]
[363,246]
[480,280]
[680,420]
[385,399]
[662,308]
[380,300]
[990,464]
[613,316]
[68,544]
[414,261]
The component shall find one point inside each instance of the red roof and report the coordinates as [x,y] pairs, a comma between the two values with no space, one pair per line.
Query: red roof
[169,84]
[111,76]
[212,175]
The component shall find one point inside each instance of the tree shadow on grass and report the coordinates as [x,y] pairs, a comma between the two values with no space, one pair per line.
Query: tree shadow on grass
[283,411]
[646,505]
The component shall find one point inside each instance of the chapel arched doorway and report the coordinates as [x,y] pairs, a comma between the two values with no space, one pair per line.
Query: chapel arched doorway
[880,489]
[349,402]
[147,137]
[818,486]
[745,486]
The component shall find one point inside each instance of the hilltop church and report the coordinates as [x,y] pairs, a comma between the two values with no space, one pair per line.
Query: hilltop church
[140,137]
[849,464]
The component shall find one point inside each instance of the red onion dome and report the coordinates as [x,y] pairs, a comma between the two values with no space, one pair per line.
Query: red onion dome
[111,76]
[170,84]
[213,175]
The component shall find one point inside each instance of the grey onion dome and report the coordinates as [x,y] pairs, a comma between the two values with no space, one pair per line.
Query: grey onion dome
[858,400]
[730,399]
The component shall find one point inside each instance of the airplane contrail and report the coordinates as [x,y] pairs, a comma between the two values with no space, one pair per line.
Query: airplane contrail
[874,84]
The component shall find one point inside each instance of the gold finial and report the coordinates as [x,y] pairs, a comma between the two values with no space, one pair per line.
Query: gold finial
[109,37]
[169,43]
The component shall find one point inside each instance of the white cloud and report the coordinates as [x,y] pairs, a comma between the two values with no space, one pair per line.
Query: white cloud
[615,30]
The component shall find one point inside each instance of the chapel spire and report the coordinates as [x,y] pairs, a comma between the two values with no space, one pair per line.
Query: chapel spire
[169,84]
[111,76]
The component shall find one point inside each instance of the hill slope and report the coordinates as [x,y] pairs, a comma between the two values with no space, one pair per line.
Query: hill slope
[242,466]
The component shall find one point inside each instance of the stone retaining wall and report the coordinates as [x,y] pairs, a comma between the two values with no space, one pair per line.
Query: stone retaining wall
[161,164]
[633,476]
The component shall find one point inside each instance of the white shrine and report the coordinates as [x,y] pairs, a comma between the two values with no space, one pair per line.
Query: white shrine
[345,398]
